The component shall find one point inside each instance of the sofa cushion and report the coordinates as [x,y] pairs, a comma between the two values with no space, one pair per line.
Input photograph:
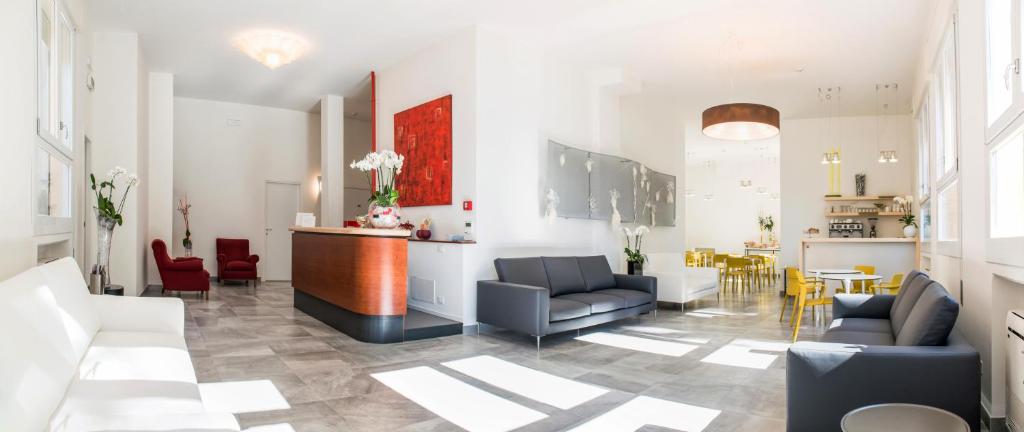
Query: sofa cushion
[118,355]
[597,274]
[128,397]
[562,310]
[598,302]
[523,271]
[905,301]
[564,275]
[38,359]
[633,298]
[857,337]
[931,320]
[239,266]
[861,324]
[80,318]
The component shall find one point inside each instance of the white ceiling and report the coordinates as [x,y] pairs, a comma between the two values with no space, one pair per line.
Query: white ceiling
[704,52]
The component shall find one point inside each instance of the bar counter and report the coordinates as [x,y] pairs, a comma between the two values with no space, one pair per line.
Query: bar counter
[353,279]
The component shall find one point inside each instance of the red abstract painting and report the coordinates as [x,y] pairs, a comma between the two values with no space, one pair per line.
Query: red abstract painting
[423,134]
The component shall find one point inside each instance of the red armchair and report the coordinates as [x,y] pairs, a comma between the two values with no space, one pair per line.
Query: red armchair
[234,261]
[180,274]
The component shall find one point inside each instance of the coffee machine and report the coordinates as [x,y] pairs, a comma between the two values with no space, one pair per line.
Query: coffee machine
[845,229]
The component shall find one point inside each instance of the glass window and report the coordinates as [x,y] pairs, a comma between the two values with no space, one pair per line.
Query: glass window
[948,228]
[66,79]
[44,55]
[926,224]
[1000,58]
[1006,169]
[923,165]
[53,177]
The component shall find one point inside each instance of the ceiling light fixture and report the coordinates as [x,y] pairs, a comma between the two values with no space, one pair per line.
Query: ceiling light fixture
[740,122]
[272,48]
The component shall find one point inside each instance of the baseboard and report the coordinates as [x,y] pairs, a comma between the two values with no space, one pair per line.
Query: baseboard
[433,312]
[994,424]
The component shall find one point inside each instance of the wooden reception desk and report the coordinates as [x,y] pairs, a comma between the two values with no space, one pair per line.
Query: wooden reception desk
[353,279]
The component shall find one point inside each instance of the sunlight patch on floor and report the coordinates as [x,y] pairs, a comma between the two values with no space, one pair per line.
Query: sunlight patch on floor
[237,397]
[644,410]
[652,330]
[277,427]
[739,353]
[539,386]
[462,404]
[634,343]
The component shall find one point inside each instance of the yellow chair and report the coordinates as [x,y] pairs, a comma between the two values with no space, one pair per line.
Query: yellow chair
[863,286]
[739,270]
[759,268]
[793,290]
[692,258]
[805,289]
[892,286]
[718,261]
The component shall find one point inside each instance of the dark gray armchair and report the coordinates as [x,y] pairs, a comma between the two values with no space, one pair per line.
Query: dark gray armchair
[884,349]
[541,296]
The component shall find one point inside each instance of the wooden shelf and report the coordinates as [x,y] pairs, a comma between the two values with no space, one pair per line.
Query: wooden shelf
[859,198]
[854,214]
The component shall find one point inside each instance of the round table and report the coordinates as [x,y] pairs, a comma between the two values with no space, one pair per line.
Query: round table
[902,417]
[847,278]
[819,272]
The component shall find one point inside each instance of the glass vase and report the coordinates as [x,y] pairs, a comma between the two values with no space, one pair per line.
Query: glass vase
[384,216]
[101,270]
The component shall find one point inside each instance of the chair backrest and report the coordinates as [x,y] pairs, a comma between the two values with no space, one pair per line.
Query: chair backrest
[233,249]
[45,323]
[866,269]
[897,279]
[720,258]
[794,280]
[160,253]
[737,262]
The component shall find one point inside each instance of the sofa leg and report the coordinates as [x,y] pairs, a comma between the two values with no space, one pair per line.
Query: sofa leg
[577,332]
[538,342]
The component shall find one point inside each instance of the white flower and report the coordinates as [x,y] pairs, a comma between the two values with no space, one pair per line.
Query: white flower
[116,171]
[133,180]
[642,229]
[627,231]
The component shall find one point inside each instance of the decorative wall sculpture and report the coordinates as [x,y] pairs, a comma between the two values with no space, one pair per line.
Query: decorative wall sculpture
[586,185]
[423,134]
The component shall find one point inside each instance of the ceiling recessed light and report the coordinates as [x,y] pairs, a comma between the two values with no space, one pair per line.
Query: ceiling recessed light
[270,47]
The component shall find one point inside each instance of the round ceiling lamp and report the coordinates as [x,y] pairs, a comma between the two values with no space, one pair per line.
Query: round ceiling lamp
[272,48]
[741,122]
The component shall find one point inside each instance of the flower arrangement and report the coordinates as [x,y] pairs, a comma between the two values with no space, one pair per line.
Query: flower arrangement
[185,208]
[766,223]
[905,205]
[104,191]
[633,248]
[384,167]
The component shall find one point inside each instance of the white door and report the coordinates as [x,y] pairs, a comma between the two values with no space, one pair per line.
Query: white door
[281,204]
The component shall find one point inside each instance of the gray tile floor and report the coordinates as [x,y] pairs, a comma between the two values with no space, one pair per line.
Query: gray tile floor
[242,334]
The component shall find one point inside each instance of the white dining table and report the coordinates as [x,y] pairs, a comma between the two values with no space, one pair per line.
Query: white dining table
[848,279]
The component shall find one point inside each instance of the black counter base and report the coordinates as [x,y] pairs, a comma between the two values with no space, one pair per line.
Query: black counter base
[365,328]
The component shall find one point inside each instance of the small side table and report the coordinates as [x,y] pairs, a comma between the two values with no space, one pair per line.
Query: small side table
[116,290]
[903,417]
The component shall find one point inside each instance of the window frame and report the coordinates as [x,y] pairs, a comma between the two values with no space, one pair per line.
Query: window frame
[945,62]
[60,96]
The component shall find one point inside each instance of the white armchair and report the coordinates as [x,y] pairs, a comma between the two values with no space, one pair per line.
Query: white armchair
[678,283]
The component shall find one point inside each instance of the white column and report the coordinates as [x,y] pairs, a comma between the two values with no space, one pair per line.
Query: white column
[160,178]
[332,144]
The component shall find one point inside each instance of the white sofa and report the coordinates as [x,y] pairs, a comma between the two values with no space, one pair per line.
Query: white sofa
[72,361]
[678,283]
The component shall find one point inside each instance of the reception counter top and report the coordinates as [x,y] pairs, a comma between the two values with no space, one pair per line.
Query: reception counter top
[353,279]
[888,255]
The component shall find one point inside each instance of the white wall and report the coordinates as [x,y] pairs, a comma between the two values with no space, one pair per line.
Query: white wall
[730,219]
[357,187]
[118,132]
[223,169]
[332,158]
[805,179]
[160,179]
[17,125]
[448,67]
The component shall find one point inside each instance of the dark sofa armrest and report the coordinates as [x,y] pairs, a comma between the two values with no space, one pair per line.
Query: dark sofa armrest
[861,306]
[647,284]
[522,308]
[824,381]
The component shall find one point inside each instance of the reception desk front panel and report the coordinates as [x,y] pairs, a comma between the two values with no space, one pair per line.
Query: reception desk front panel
[353,280]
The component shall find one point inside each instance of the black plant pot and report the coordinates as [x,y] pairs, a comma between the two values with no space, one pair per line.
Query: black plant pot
[635,268]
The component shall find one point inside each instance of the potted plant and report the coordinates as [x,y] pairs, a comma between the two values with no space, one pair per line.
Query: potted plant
[423,233]
[766,224]
[108,216]
[908,219]
[185,207]
[382,168]
[635,259]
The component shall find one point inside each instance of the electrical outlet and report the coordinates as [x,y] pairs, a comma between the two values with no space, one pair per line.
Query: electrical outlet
[440,300]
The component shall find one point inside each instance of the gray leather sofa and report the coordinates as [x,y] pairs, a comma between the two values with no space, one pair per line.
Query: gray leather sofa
[884,349]
[546,295]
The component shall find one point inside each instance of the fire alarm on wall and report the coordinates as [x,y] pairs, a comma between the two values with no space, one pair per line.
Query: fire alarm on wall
[467,205]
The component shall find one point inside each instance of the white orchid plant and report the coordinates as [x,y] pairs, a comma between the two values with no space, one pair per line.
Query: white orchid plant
[384,167]
[105,193]
[634,241]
